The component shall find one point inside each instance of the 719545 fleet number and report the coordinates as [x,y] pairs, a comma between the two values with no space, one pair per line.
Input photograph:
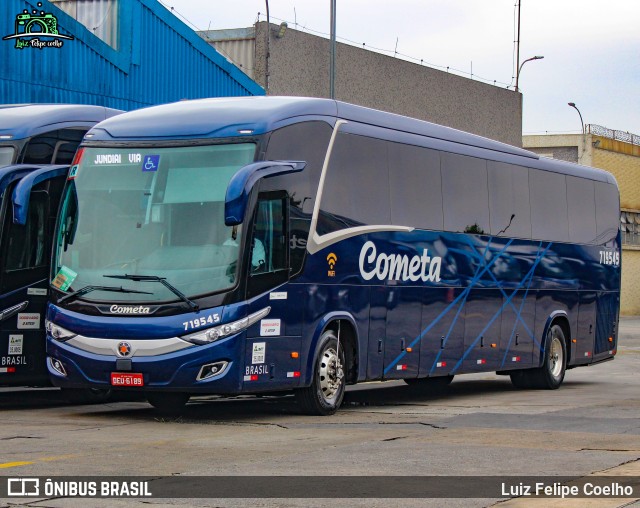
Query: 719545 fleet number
[608,257]
[211,319]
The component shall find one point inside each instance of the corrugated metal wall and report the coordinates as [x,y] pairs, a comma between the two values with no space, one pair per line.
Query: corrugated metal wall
[240,52]
[237,44]
[159,60]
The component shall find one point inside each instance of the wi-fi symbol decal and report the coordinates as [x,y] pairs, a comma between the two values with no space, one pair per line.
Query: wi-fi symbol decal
[332,259]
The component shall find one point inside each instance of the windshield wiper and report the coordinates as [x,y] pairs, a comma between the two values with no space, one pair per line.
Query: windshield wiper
[89,289]
[161,280]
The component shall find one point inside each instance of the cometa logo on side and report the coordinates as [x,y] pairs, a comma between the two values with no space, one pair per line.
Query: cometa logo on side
[398,267]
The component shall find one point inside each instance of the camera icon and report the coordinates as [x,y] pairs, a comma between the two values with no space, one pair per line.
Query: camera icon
[34,24]
[23,487]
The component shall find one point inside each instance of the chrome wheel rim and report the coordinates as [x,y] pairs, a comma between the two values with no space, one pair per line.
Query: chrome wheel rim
[330,374]
[556,357]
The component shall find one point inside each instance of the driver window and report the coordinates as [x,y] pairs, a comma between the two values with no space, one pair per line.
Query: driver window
[268,244]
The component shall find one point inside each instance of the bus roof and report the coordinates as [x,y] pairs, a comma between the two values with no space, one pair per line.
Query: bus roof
[251,116]
[224,117]
[20,121]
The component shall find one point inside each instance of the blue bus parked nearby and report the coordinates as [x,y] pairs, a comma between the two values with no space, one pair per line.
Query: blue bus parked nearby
[251,245]
[45,133]
[37,144]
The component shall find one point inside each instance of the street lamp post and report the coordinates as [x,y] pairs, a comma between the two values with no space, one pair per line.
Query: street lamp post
[332,59]
[522,65]
[573,105]
[584,136]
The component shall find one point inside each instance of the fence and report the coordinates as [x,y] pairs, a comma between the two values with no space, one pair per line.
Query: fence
[627,137]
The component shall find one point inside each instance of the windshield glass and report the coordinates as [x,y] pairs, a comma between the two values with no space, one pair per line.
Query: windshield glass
[155,212]
[6,155]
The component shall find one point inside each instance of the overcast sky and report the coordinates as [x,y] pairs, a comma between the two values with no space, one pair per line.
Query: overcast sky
[591,48]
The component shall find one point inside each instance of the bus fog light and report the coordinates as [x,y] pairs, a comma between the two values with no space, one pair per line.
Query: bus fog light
[56,365]
[211,370]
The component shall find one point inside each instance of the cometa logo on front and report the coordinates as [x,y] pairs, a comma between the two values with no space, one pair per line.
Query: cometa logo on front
[119,309]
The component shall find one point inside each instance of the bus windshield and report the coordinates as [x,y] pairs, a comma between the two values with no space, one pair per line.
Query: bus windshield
[6,155]
[155,213]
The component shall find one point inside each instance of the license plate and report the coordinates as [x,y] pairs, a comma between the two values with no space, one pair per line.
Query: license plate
[126,379]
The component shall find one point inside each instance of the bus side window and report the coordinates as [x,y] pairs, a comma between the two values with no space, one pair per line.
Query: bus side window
[465,195]
[269,252]
[55,147]
[356,189]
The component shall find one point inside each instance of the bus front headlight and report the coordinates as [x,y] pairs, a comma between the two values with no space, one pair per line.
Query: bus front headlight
[219,332]
[57,332]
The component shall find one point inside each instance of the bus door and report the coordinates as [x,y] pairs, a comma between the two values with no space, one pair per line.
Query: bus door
[272,357]
[29,208]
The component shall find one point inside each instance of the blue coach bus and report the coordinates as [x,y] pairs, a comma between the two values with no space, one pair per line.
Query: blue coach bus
[37,144]
[251,245]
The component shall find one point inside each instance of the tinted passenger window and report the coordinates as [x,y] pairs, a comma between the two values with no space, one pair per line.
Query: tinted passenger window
[56,147]
[464,193]
[356,189]
[307,142]
[607,211]
[548,206]
[509,200]
[415,186]
[581,208]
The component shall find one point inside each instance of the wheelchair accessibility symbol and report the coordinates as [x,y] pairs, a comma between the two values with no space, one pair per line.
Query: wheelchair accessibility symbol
[151,163]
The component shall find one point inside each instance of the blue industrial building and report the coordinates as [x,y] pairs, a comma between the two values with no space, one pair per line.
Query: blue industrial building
[123,54]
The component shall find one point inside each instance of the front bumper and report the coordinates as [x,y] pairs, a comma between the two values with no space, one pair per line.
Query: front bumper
[173,371]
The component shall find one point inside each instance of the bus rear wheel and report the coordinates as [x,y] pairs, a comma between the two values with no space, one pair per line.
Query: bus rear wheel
[168,402]
[326,392]
[551,374]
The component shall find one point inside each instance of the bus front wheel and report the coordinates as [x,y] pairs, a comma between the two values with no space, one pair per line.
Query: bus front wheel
[326,392]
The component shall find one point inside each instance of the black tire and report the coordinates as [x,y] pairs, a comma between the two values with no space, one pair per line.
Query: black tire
[551,374]
[326,392]
[521,379]
[429,384]
[168,402]
[86,395]
[554,365]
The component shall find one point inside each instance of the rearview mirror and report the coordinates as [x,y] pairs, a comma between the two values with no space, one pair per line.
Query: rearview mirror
[239,188]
